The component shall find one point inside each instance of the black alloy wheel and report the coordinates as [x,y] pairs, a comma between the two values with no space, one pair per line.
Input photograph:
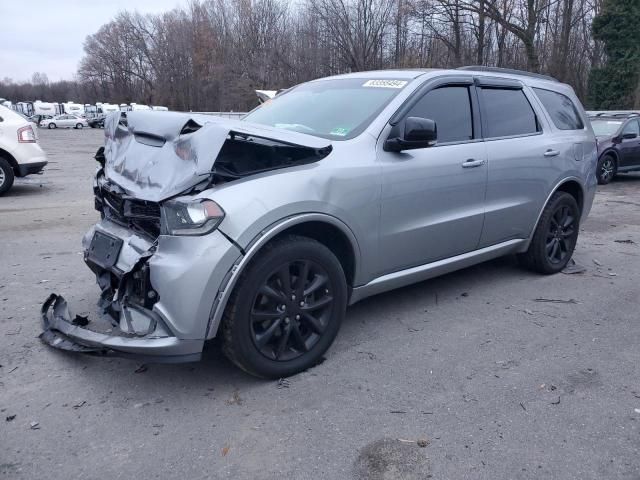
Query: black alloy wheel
[291,310]
[285,309]
[555,236]
[560,236]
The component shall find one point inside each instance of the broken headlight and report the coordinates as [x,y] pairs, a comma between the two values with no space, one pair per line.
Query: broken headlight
[197,217]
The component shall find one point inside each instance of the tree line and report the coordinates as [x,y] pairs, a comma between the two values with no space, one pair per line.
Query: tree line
[211,54]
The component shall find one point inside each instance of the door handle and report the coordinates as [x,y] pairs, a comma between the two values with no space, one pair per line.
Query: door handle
[472,163]
[551,153]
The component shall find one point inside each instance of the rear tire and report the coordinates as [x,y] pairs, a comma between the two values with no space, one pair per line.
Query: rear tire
[6,176]
[555,236]
[286,308]
[607,169]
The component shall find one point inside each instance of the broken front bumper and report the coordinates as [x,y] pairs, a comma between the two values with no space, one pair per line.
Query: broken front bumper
[64,331]
[156,297]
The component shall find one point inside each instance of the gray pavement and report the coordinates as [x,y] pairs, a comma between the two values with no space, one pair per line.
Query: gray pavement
[496,384]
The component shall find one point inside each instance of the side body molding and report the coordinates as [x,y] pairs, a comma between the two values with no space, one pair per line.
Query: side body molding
[254,247]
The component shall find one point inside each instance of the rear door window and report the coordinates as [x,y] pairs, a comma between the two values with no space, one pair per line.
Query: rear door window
[507,113]
[450,108]
[562,111]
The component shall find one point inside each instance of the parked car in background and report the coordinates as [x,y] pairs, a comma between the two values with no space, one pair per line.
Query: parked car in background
[618,137]
[262,231]
[37,119]
[95,114]
[20,154]
[64,121]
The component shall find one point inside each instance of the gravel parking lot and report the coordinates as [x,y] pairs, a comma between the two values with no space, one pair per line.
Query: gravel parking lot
[487,373]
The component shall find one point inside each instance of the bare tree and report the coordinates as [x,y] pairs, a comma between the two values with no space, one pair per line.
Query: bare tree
[212,54]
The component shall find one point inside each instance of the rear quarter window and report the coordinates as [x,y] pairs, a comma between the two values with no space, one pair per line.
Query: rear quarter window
[561,109]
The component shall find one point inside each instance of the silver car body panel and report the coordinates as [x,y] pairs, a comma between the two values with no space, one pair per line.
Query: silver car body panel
[420,273]
[262,239]
[408,216]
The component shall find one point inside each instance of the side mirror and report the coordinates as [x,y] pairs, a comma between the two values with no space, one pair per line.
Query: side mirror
[629,136]
[418,133]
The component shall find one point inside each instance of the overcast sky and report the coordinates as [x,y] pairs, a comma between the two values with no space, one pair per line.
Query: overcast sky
[47,35]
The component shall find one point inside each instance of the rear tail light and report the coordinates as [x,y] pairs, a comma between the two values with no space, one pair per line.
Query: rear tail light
[26,135]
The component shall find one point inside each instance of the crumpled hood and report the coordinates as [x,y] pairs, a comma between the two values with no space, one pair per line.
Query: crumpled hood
[157,155]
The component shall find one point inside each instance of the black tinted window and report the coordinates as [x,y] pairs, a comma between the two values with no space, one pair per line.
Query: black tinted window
[507,112]
[561,109]
[450,108]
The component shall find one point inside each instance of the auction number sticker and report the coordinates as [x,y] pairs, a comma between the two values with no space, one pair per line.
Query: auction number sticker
[385,83]
[339,131]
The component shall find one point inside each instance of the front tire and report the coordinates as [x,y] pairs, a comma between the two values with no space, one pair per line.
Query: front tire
[6,176]
[52,125]
[78,126]
[555,236]
[607,169]
[286,308]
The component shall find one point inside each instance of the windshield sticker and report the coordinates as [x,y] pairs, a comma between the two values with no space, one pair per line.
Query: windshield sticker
[385,83]
[339,131]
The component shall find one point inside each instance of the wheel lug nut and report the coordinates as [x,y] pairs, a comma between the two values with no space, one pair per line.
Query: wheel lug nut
[286,321]
[302,304]
[297,317]
[293,297]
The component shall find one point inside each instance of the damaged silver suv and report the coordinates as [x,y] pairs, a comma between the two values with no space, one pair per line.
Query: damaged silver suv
[262,231]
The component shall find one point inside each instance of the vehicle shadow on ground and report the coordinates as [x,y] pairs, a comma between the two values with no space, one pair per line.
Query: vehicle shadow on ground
[20,189]
[627,177]
[216,372]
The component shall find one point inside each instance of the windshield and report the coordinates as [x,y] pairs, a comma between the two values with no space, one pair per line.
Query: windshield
[334,109]
[605,128]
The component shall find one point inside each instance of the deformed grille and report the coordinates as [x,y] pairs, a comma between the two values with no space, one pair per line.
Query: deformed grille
[141,209]
[140,215]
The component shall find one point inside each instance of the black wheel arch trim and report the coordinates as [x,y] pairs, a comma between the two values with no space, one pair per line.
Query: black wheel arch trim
[612,152]
[229,282]
[554,190]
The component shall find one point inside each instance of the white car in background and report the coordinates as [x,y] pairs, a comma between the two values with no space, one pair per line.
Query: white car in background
[20,154]
[64,121]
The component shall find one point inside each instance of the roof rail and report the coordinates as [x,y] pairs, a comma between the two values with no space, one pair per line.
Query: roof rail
[614,114]
[511,71]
